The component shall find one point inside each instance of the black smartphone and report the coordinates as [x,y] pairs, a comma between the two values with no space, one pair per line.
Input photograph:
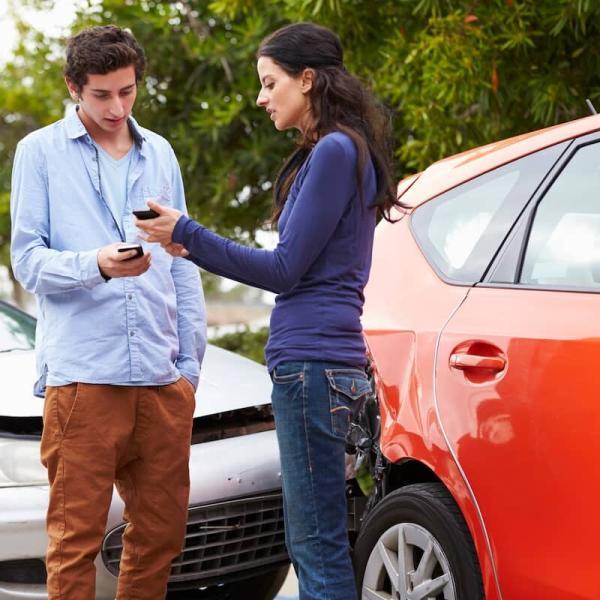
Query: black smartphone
[143,215]
[137,247]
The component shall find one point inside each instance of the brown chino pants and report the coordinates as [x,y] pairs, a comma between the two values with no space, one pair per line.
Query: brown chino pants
[138,438]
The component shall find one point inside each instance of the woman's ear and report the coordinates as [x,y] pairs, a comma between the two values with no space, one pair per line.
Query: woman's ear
[306,82]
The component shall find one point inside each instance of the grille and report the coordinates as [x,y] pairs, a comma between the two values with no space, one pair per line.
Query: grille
[222,538]
[27,570]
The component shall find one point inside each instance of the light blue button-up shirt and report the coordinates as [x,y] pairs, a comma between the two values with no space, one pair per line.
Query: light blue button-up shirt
[145,330]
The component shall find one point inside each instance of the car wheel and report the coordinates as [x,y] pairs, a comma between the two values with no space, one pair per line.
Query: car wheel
[260,587]
[415,545]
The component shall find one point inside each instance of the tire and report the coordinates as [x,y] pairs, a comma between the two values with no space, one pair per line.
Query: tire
[261,587]
[439,560]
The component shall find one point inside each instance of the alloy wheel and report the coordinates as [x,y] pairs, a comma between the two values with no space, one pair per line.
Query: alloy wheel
[407,563]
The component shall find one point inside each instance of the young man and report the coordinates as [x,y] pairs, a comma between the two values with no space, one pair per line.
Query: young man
[120,337]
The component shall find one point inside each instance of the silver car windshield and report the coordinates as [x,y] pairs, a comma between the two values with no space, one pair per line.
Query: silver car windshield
[17,329]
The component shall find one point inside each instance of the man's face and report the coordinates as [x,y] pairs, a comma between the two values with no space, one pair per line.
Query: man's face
[105,101]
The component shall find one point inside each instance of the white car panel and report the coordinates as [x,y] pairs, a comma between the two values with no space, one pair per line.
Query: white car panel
[227,382]
[238,465]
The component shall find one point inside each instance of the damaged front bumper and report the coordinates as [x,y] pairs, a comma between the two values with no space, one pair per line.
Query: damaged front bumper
[366,465]
[220,470]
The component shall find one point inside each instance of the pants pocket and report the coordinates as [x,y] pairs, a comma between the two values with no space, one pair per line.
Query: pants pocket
[179,400]
[291,372]
[64,400]
[348,389]
[187,387]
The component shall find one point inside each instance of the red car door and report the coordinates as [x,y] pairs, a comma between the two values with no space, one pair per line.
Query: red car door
[517,382]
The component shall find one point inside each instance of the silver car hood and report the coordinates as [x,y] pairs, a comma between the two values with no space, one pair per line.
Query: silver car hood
[227,382]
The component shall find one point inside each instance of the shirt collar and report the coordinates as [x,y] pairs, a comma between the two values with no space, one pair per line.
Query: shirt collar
[76,128]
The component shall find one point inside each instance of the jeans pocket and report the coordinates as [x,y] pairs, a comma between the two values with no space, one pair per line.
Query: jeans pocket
[348,389]
[288,373]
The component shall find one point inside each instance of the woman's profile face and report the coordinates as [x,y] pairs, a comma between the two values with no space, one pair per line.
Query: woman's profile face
[285,98]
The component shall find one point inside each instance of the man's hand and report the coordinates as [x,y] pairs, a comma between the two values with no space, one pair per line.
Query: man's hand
[159,229]
[115,264]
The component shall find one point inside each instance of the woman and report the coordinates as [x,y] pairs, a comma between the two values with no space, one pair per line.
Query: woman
[327,197]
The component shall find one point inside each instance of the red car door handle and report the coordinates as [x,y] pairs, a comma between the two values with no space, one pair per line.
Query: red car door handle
[473,361]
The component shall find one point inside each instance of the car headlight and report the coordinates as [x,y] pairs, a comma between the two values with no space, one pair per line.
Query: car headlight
[20,463]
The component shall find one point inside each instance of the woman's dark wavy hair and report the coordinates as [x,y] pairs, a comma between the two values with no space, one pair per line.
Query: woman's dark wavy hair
[339,103]
[100,50]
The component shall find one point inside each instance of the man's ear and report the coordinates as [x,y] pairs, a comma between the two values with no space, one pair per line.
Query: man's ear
[307,79]
[73,90]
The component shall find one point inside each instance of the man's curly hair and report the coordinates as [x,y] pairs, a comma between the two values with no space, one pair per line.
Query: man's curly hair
[100,50]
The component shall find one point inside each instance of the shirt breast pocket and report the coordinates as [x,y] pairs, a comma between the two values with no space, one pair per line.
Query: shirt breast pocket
[157,191]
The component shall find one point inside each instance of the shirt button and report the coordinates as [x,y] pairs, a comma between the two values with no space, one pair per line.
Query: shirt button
[132,333]
[129,296]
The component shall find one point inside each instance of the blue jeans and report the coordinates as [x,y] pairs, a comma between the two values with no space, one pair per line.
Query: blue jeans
[312,404]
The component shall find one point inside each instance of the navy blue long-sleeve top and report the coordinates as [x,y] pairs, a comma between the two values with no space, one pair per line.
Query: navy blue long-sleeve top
[320,265]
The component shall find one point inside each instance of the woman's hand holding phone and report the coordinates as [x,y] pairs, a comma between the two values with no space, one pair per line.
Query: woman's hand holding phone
[160,229]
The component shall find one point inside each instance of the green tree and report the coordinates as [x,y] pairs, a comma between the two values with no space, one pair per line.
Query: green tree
[248,343]
[454,73]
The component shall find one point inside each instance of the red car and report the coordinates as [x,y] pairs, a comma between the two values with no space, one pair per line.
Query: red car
[482,319]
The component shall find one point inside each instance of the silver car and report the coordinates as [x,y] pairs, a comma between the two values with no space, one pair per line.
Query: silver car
[234,546]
